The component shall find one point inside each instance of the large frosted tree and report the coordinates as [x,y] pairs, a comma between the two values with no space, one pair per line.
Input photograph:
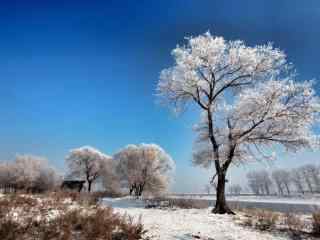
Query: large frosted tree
[88,163]
[249,102]
[144,167]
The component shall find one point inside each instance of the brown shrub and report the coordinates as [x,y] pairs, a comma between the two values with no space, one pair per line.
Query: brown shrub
[88,199]
[248,222]
[131,230]
[15,201]
[4,207]
[108,194]
[189,203]
[177,203]
[87,222]
[293,222]
[82,198]
[316,223]
[9,230]
[266,220]
[59,196]
[23,200]
[101,224]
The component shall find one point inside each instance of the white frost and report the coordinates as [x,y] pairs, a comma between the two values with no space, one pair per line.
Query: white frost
[183,224]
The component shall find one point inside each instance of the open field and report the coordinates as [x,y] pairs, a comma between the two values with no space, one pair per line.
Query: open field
[188,224]
[74,216]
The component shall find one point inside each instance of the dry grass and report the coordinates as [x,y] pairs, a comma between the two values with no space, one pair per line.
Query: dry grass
[316,223]
[100,224]
[266,220]
[260,219]
[82,198]
[78,218]
[293,223]
[177,203]
[109,194]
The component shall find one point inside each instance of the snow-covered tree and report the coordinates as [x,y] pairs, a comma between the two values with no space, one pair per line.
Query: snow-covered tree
[34,173]
[311,176]
[87,163]
[316,177]
[144,167]
[282,179]
[253,184]
[259,182]
[109,178]
[235,189]
[29,173]
[7,177]
[297,180]
[249,100]
[277,178]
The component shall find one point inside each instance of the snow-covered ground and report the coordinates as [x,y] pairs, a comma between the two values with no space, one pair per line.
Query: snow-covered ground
[185,224]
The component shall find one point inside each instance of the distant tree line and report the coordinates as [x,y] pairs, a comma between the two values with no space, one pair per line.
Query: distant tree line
[301,180]
[135,169]
[28,173]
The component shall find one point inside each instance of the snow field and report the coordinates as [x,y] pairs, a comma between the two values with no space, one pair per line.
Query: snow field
[185,224]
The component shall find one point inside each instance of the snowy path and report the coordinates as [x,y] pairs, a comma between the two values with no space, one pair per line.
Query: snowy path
[182,224]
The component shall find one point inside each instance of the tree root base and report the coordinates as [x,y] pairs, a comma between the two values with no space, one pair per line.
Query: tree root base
[222,210]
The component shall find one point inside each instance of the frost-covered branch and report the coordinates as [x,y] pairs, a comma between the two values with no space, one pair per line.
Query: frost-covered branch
[87,163]
[249,98]
[144,167]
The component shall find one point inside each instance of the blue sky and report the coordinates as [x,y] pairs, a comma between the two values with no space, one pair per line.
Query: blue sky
[79,73]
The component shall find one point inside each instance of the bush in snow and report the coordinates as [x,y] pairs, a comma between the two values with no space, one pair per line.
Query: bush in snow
[266,220]
[316,223]
[29,217]
[177,203]
[294,223]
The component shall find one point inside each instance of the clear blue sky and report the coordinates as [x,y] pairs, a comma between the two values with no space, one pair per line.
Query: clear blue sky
[79,73]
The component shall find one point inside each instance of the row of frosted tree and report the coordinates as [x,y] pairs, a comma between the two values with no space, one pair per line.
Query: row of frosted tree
[135,169]
[305,179]
[28,173]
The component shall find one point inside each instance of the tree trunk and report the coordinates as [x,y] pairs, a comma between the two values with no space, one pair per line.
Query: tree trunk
[309,185]
[89,186]
[267,189]
[300,187]
[288,189]
[221,206]
[137,191]
[131,190]
[316,180]
[280,189]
